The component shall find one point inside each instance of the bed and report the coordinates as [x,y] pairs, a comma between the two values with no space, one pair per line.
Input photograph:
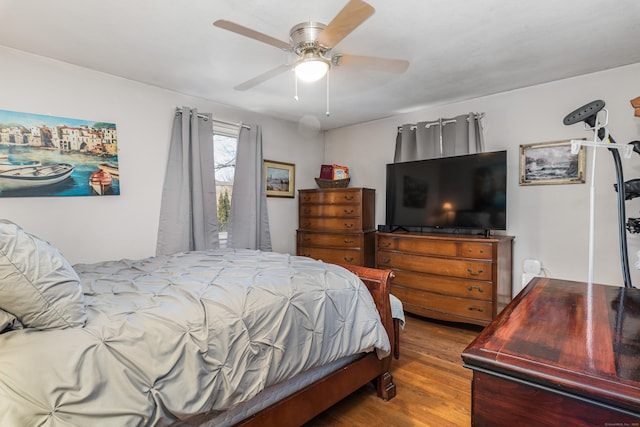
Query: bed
[221,337]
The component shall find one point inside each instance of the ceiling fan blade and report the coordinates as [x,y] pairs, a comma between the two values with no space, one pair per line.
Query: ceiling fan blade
[263,77]
[380,64]
[347,20]
[253,34]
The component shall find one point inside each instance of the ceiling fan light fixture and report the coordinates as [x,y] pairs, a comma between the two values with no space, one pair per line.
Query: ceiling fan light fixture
[311,68]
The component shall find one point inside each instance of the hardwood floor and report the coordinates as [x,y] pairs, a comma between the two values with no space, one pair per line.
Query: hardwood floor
[433,389]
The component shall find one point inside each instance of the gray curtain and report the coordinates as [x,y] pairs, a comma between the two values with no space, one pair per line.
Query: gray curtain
[249,223]
[440,138]
[188,217]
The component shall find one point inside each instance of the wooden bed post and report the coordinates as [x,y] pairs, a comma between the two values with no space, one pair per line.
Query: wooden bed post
[379,284]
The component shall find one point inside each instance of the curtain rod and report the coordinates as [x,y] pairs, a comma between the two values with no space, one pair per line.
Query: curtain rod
[443,122]
[240,125]
[203,116]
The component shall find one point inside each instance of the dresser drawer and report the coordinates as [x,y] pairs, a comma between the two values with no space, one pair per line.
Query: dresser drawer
[449,248]
[332,255]
[464,288]
[330,210]
[475,250]
[330,224]
[446,306]
[334,196]
[421,246]
[456,267]
[336,240]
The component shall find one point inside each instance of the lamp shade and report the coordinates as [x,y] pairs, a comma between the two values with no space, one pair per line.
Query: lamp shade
[312,68]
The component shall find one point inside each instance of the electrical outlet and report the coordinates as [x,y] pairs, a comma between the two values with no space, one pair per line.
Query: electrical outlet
[531,266]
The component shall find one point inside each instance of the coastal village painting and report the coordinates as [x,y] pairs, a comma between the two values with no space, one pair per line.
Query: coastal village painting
[44,156]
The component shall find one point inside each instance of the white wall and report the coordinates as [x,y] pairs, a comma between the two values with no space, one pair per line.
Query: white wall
[550,222]
[88,229]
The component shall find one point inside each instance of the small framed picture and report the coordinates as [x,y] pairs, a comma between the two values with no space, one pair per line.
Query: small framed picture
[279,178]
[551,163]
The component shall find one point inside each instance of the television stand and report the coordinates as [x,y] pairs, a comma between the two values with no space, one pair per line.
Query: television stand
[454,277]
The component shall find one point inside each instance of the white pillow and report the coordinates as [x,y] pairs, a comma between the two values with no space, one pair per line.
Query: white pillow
[37,284]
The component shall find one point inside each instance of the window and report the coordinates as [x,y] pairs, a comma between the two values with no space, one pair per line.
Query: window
[224,148]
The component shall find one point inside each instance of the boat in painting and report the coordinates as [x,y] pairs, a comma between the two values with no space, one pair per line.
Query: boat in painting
[111,169]
[31,176]
[6,165]
[100,181]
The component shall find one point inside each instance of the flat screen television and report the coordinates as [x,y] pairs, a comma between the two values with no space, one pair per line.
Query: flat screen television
[460,192]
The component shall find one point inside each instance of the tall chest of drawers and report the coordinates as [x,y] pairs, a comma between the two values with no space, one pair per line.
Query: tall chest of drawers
[336,225]
[449,277]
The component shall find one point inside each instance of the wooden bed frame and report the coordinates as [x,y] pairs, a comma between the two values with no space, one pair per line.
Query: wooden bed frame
[312,400]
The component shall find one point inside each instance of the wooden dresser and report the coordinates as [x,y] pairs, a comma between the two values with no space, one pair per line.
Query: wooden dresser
[337,225]
[449,277]
[562,353]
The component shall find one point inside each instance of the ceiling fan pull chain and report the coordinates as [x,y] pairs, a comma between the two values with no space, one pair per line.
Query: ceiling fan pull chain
[295,79]
[327,112]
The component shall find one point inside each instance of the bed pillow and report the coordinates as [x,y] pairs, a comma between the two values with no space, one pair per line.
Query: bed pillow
[8,322]
[37,284]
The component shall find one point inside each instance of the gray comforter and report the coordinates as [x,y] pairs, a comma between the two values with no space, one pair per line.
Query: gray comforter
[170,337]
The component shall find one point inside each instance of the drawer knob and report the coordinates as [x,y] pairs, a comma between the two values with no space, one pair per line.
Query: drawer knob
[306,198]
[475,309]
[385,244]
[471,250]
[471,288]
[308,239]
[348,241]
[349,211]
[307,211]
[470,271]
[385,260]
[348,226]
[348,259]
[348,197]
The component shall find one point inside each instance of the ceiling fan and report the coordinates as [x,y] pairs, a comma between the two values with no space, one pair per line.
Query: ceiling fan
[313,43]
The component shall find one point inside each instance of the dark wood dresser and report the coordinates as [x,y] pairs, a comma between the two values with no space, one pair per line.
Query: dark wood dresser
[460,278]
[336,225]
[562,353]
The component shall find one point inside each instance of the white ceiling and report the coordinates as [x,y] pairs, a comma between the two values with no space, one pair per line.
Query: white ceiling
[458,49]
